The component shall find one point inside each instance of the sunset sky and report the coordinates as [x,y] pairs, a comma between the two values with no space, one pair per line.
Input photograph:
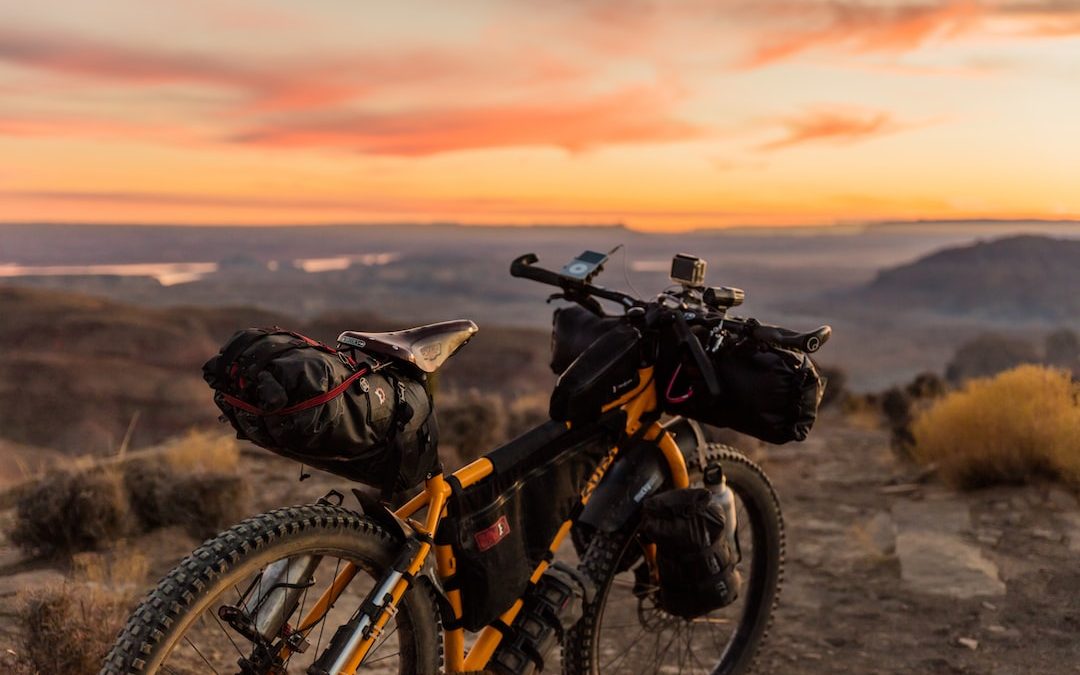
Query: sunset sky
[660,115]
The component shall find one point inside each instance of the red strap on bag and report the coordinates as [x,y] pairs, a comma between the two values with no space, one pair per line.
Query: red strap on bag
[303,405]
[678,398]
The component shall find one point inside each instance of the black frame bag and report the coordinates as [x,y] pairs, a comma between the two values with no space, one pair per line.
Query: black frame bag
[309,402]
[500,527]
[573,329]
[606,370]
[766,391]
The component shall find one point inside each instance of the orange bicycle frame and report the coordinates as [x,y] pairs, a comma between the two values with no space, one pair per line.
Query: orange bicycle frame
[635,403]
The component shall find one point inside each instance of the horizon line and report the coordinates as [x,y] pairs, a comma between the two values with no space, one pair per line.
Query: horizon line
[835,225]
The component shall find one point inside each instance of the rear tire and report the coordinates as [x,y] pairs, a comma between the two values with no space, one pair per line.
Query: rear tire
[761,513]
[190,590]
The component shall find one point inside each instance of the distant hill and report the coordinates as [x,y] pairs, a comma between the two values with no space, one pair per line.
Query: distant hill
[1024,278]
[76,369]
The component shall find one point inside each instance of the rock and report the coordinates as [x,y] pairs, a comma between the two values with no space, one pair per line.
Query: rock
[1061,499]
[970,643]
[14,584]
[1043,533]
[880,533]
[1072,530]
[943,564]
[937,515]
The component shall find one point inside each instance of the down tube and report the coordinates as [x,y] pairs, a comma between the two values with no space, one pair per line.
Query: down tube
[489,638]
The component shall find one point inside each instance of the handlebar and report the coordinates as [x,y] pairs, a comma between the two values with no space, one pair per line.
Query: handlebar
[782,337]
[581,291]
[576,289]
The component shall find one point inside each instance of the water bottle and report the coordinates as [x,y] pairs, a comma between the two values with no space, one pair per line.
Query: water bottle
[723,498]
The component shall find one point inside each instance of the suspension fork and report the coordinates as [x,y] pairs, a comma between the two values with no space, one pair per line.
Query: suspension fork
[354,639]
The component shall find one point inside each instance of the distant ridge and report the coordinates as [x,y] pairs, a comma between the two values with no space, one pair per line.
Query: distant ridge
[1024,278]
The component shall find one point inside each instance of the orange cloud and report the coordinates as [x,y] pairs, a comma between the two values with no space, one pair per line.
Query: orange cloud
[865,28]
[44,126]
[834,125]
[268,86]
[634,115]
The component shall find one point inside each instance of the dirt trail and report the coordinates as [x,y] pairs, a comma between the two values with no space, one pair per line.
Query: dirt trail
[884,577]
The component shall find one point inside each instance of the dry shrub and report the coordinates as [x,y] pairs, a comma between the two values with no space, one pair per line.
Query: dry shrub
[836,391]
[207,503]
[70,628]
[123,569]
[862,411]
[527,412]
[67,512]
[203,452]
[192,482]
[202,501]
[473,424]
[1021,424]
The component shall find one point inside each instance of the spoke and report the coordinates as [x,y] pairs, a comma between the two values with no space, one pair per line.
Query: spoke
[385,637]
[288,580]
[667,647]
[383,658]
[205,660]
[322,620]
[623,654]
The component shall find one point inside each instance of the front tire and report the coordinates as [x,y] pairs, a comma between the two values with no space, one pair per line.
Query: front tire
[628,645]
[158,637]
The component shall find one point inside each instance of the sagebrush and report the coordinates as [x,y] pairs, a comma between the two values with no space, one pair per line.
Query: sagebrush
[193,482]
[1017,426]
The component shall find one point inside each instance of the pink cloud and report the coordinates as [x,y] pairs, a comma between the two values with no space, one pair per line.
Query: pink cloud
[268,86]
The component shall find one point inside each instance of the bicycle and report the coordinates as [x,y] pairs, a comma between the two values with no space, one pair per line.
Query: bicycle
[324,589]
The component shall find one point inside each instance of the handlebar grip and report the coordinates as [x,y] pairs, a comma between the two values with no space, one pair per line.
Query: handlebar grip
[782,337]
[523,267]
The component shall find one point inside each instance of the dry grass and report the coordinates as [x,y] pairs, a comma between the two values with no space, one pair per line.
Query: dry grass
[202,452]
[1019,425]
[67,512]
[193,482]
[69,628]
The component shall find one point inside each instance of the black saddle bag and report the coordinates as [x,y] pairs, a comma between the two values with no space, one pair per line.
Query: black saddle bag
[501,527]
[766,391]
[695,560]
[306,401]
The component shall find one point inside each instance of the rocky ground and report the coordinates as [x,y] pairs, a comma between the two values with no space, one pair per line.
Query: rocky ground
[888,575]
[887,571]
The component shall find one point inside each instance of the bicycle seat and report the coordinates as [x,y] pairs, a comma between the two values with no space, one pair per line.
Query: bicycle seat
[426,347]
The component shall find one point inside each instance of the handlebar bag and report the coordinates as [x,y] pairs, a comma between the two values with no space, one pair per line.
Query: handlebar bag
[501,527]
[573,329]
[309,402]
[767,392]
[695,560]
[606,370]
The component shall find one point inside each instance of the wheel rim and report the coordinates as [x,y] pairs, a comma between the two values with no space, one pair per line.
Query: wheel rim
[208,644]
[634,637]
